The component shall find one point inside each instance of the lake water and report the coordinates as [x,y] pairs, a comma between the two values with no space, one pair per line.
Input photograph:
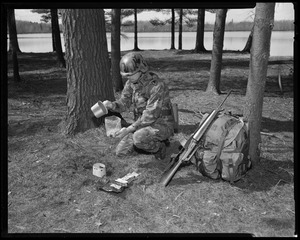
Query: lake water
[282,43]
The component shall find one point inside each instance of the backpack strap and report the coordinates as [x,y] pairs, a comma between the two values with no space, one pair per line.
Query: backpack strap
[238,127]
[230,170]
[220,147]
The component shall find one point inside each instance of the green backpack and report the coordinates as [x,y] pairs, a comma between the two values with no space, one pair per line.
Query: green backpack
[226,148]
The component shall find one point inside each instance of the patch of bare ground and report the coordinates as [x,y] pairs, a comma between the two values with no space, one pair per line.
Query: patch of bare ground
[51,188]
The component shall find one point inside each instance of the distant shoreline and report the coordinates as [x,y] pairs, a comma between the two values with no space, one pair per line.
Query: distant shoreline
[164,32]
[145,26]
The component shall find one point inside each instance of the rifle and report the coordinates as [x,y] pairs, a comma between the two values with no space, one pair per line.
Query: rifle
[190,146]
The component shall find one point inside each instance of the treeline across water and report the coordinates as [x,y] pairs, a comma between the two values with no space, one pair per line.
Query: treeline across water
[32,27]
[145,26]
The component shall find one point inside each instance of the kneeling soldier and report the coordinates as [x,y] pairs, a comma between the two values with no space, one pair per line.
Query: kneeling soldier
[149,95]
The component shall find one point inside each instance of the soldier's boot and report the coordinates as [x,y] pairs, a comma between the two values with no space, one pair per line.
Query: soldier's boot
[161,153]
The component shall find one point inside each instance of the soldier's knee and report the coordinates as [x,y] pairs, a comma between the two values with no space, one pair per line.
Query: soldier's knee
[143,139]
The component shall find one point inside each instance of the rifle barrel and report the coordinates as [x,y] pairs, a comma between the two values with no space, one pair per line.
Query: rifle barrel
[218,108]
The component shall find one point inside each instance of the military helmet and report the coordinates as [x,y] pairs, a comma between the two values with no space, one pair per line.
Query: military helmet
[132,63]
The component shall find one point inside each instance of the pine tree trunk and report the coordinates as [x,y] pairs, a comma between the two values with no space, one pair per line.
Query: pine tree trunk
[217,51]
[136,48]
[115,49]
[260,52]
[53,34]
[180,31]
[17,77]
[13,37]
[200,32]
[14,43]
[173,30]
[87,62]
[55,31]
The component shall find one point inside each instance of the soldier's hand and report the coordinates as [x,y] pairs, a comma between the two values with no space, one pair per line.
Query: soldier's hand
[124,131]
[108,104]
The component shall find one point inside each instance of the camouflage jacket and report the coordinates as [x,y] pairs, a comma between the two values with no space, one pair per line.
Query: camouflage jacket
[150,99]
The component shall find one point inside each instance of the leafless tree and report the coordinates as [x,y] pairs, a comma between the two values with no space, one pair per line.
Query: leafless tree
[14,49]
[217,52]
[115,49]
[259,56]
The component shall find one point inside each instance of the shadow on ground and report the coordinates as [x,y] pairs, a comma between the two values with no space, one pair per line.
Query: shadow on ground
[38,87]
[267,174]
[264,177]
[272,125]
[268,125]
[42,60]
[239,85]
[30,128]
[204,64]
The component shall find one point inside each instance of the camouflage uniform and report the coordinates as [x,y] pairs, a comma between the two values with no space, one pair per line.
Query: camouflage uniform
[153,116]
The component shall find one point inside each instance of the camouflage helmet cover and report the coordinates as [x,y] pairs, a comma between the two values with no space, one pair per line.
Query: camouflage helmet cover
[132,63]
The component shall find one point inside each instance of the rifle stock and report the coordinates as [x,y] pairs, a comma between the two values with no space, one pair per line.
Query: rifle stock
[191,146]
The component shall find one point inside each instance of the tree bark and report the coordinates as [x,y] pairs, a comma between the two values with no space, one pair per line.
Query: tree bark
[115,49]
[13,37]
[88,75]
[217,51]
[53,34]
[17,77]
[180,30]
[248,45]
[136,48]
[14,43]
[259,56]
[56,33]
[173,30]
[200,32]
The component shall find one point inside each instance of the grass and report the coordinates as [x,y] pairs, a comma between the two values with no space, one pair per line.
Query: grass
[51,188]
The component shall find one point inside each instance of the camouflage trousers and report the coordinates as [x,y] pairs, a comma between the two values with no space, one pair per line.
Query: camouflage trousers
[147,139]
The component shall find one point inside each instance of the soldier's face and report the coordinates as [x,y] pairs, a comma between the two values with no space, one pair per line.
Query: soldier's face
[135,77]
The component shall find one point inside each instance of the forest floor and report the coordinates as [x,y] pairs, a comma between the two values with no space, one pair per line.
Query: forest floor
[51,188]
